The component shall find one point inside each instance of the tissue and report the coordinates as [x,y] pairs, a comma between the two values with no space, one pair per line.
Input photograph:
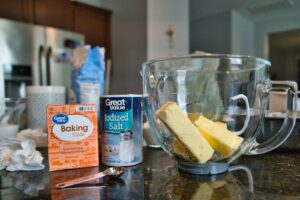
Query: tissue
[37,135]
[27,158]
[5,154]
[7,147]
[20,155]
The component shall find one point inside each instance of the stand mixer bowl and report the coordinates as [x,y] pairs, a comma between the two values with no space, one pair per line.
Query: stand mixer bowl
[230,89]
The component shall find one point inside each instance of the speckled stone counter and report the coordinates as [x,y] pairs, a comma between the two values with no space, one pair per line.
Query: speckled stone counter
[274,175]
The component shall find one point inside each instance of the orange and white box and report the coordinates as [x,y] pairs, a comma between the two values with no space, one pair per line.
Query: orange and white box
[72,136]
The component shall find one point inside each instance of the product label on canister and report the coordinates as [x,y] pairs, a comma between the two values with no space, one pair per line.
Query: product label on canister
[121,130]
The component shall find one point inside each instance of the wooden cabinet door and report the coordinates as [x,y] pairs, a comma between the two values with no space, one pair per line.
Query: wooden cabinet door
[55,13]
[19,10]
[94,23]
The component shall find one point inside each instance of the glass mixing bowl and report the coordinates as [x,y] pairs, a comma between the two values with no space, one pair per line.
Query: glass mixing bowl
[231,90]
[10,113]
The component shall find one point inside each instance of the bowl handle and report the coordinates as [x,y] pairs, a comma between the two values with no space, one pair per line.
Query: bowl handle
[248,172]
[245,99]
[289,120]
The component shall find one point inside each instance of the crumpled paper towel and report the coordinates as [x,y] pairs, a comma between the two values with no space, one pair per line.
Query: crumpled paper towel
[5,154]
[20,155]
[7,147]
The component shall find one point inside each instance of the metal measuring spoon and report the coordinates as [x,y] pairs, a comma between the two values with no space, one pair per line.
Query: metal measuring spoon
[112,172]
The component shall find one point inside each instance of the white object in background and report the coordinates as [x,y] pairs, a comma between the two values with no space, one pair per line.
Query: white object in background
[1,82]
[277,101]
[298,104]
[38,97]
[149,137]
[8,130]
[22,90]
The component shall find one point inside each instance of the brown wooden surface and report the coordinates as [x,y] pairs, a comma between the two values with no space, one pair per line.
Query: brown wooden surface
[55,13]
[94,23]
[19,10]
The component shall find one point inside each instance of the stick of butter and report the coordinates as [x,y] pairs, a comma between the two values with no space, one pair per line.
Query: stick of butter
[181,150]
[185,131]
[193,116]
[221,124]
[203,192]
[222,140]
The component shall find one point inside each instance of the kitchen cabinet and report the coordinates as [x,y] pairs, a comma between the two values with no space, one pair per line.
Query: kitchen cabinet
[55,13]
[94,23]
[20,10]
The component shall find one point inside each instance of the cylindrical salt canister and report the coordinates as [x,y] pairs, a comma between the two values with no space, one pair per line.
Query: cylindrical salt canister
[121,130]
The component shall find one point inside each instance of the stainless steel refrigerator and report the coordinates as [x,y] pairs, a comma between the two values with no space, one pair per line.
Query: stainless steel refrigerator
[34,55]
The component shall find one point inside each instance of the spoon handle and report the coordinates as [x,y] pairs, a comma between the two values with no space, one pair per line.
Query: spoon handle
[80,180]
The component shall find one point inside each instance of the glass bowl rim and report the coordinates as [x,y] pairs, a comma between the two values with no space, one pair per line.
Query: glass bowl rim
[257,60]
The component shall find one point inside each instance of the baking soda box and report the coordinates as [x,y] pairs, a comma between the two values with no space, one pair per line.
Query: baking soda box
[72,136]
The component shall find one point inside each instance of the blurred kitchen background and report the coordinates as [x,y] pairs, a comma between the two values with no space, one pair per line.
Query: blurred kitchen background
[133,31]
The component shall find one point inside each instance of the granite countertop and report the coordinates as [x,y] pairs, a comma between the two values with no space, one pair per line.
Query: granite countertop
[274,175]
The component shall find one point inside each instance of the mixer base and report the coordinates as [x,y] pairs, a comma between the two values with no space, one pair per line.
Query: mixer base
[205,169]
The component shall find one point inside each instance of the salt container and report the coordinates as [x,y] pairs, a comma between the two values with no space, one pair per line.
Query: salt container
[121,130]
